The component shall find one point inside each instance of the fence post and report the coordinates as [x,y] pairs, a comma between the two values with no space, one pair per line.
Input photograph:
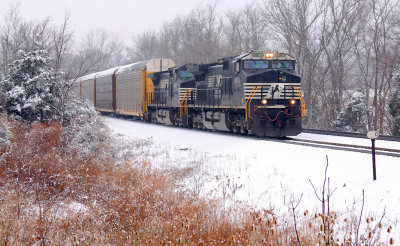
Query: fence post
[373,135]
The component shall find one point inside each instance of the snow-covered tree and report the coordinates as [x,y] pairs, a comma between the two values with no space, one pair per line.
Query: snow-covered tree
[354,116]
[29,87]
[394,105]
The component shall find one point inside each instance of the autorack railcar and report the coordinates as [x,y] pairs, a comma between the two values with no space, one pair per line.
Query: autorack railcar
[121,90]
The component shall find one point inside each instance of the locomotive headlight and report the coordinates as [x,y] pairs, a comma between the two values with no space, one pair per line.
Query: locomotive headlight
[264,101]
[292,102]
[269,55]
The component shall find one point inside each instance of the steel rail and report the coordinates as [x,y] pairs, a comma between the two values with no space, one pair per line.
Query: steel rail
[350,134]
[347,147]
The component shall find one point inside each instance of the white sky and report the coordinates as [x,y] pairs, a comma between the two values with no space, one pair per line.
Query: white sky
[123,17]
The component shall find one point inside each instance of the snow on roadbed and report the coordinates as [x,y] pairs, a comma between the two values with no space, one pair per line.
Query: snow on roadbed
[267,174]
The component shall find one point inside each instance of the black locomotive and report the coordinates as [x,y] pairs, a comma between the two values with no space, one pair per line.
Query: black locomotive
[254,93]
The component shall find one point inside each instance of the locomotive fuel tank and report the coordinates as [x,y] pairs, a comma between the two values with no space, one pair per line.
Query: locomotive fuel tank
[163,116]
[213,120]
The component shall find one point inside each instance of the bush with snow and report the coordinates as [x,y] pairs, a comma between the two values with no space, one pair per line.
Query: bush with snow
[84,134]
[354,116]
[29,87]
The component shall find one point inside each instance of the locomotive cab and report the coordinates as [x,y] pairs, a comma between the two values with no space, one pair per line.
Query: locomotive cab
[272,94]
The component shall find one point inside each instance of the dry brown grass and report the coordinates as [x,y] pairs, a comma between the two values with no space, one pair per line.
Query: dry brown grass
[50,197]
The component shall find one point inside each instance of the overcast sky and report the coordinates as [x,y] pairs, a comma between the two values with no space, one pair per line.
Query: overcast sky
[123,17]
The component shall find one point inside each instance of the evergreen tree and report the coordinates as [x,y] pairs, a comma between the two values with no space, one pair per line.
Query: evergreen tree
[29,87]
[353,117]
[394,105]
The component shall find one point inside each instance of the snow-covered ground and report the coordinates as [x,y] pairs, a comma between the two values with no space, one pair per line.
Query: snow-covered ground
[267,174]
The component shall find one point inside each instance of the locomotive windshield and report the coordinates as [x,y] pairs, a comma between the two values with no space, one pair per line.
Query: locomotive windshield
[282,64]
[255,64]
[185,74]
[260,64]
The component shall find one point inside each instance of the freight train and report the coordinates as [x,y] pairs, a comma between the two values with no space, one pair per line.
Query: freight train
[253,93]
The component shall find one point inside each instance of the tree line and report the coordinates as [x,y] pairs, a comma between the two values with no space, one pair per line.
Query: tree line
[347,51]
[342,47]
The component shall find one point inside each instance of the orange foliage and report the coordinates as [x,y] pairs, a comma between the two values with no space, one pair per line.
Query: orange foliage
[123,204]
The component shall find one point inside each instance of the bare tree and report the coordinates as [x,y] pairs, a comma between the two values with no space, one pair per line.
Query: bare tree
[340,21]
[196,37]
[145,47]
[17,34]
[209,31]
[234,31]
[99,50]
[169,39]
[295,26]
[376,56]
[62,37]
[245,30]
[255,27]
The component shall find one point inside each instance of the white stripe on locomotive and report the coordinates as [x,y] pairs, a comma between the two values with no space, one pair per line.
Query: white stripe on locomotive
[283,90]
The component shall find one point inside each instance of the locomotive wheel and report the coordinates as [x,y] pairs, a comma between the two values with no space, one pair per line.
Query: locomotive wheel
[243,131]
[190,121]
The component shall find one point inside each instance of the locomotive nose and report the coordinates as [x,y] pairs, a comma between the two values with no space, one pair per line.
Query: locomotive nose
[273,76]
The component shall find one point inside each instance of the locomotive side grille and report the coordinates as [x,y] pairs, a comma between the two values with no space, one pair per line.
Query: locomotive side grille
[163,83]
[214,81]
[271,90]
[211,81]
[182,92]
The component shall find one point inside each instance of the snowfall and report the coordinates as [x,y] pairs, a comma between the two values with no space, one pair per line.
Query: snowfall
[270,174]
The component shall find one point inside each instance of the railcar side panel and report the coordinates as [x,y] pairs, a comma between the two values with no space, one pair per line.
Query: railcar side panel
[104,94]
[87,90]
[132,86]
[129,93]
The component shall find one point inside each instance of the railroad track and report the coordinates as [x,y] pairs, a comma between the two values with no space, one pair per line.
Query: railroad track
[349,147]
[346,147]
[326,144]
[350,134]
